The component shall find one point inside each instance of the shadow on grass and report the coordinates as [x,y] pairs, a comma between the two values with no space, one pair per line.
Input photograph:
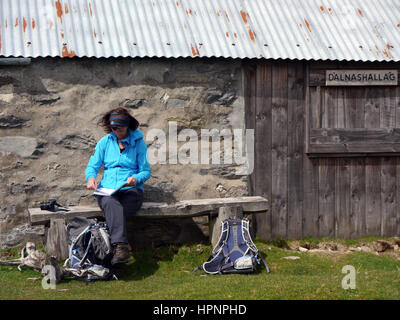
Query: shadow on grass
[144,263]
[278,242]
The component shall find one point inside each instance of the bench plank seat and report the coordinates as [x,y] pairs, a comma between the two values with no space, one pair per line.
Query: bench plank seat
[152,210]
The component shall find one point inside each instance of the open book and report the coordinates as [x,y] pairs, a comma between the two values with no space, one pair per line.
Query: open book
[107,191]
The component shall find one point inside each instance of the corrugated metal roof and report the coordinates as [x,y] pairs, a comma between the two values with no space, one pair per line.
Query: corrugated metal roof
[365,30]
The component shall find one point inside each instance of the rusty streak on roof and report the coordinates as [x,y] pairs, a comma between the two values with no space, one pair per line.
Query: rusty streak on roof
[360,30]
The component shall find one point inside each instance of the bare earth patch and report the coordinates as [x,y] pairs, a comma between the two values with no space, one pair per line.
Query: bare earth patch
[390,247]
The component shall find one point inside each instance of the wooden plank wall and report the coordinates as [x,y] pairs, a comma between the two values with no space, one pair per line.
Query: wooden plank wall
[346,197]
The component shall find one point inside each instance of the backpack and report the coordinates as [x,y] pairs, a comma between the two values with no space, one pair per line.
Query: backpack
[235,252]
[90,250]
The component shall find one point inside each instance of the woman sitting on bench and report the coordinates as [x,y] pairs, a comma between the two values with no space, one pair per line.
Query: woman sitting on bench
[124,155]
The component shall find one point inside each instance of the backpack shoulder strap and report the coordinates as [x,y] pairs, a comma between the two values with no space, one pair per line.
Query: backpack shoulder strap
[246,236]
[250,243]
[263,261]
[71,247]
[222,237]
[219,246]
[86,251]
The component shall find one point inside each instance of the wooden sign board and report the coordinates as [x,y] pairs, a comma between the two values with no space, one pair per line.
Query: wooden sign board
[361,77]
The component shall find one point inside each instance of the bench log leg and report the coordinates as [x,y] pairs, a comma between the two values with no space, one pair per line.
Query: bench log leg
[57,239]
[215,221]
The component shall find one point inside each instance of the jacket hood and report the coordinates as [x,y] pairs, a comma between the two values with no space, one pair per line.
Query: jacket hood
[134,135]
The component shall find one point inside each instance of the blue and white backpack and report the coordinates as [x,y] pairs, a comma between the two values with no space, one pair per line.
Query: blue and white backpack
[235,251]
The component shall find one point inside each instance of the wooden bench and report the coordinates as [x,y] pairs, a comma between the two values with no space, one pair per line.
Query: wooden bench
[217,209]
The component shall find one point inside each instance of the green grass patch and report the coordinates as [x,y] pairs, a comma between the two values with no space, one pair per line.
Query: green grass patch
[167,273]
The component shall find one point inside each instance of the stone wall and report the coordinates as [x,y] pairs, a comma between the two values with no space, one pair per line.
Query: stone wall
[48,129]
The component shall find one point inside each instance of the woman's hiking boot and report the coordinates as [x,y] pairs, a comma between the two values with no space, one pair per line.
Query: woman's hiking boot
[121,254]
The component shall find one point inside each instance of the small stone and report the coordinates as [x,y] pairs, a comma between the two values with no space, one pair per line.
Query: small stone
[45,99]
[9,122]
[77,142]
[365,249]
[382,246]
[291,258]
[6,97]
[221,98]
[301,249]
[179,103]
[11,210]
[135,103]
[220,188]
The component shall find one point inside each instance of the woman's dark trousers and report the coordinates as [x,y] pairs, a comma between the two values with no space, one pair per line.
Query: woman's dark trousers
[116,208]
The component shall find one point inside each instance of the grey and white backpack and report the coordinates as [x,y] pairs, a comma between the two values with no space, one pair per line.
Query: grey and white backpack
[90,250]
[235,251]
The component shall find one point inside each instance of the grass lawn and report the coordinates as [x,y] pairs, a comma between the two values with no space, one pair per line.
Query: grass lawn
[167,273]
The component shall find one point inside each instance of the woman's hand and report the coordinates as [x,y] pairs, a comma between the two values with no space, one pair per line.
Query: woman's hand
[91,184]
[131,181]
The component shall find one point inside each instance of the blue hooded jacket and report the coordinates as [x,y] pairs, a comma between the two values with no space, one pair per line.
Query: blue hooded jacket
[118,166]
